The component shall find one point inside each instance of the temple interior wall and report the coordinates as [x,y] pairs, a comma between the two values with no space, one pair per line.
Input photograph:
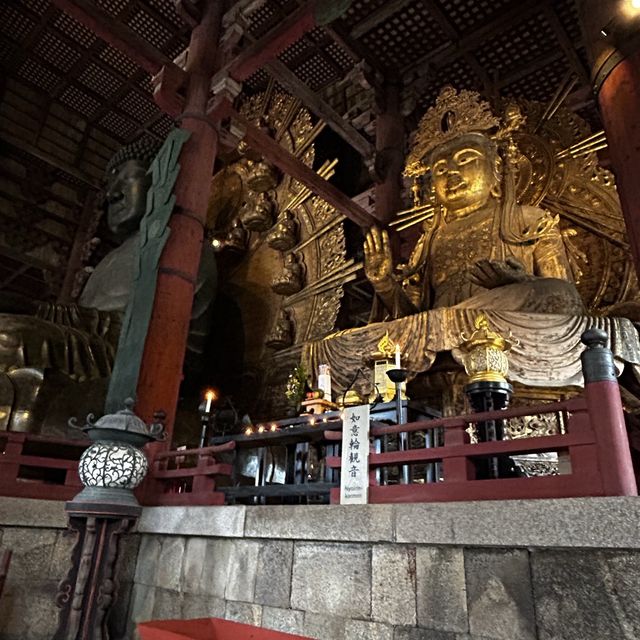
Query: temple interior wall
[546,569]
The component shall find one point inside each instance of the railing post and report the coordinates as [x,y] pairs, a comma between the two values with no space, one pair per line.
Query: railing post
[606,415]
[459,469]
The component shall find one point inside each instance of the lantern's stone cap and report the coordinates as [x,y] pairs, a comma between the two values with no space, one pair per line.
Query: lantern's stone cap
[122,425]
[123,420]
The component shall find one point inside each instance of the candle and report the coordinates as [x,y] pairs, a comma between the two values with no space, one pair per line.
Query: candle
[397,356]
[209,397]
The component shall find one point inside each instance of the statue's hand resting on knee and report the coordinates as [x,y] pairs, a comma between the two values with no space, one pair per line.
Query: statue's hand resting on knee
[492,274]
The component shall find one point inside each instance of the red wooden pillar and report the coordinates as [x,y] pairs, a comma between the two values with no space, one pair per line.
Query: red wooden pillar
[611,32]
[161,369]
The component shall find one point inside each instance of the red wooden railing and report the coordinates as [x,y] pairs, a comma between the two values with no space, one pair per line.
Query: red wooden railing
[39,467]
[186,477]
[595,445]
[595,442]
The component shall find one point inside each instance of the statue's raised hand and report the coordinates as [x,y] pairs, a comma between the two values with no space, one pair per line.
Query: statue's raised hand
[378,261]
[491,274]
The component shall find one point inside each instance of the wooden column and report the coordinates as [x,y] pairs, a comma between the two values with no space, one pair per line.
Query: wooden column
[161,369]
[84,231]
[389,157]
[613,43]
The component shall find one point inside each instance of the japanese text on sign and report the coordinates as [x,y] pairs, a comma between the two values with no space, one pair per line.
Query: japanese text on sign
[354,477]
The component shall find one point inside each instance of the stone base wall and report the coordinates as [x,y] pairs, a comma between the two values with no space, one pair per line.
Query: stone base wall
[531,570]
[525,570]
[34,530]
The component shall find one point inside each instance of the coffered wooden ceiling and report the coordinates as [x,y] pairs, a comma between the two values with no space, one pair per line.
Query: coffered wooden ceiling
[69,99]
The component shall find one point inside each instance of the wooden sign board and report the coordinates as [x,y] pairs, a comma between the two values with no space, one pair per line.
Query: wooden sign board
[354,476]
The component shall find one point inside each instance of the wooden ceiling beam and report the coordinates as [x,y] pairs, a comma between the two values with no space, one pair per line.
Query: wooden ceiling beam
[517,12]
[566,44]
[30,149]
[21,270]
[266,48]
[449,29]
[294,167]
[18,256]
[117,34]
[320,108]
[377,17]
[357,50]
[538,63]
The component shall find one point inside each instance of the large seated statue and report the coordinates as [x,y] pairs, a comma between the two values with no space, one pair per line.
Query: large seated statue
[513,227]
[480,249]
[55,360]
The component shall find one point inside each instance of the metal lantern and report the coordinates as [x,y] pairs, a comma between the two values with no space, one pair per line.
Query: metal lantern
[114,464]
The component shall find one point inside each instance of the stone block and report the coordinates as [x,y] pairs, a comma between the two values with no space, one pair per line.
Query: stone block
[148,558]
[28,611]
[499,595]
[244,613]
[169,568]
[117,622]
[364,630]
[332,579]
[441,592]
[216,567]
[225,522]
[128,556]
[24,512]
[199,606]
[414,633]
[61,556]
[273,576]
[361,523]
[243,565]
[32,555]
[324,627]
[142,601]
[193,564]
[167,604]
[286,620]
[586,595]
[593,523]
[393,579]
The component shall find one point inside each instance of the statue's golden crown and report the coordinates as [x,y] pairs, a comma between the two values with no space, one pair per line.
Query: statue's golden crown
[454,114]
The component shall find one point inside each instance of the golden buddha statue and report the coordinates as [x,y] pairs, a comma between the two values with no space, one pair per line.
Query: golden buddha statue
[56,359]
[521,225]
[480,249]
[291,280]
[284,234]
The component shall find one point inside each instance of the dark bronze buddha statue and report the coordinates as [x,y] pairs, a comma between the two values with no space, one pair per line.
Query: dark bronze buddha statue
[55,360]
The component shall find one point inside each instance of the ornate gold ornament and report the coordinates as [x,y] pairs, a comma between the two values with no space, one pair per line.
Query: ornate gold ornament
[485,358]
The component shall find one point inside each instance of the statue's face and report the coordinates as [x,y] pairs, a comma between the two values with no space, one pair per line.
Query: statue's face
[464,173]
[127,197]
